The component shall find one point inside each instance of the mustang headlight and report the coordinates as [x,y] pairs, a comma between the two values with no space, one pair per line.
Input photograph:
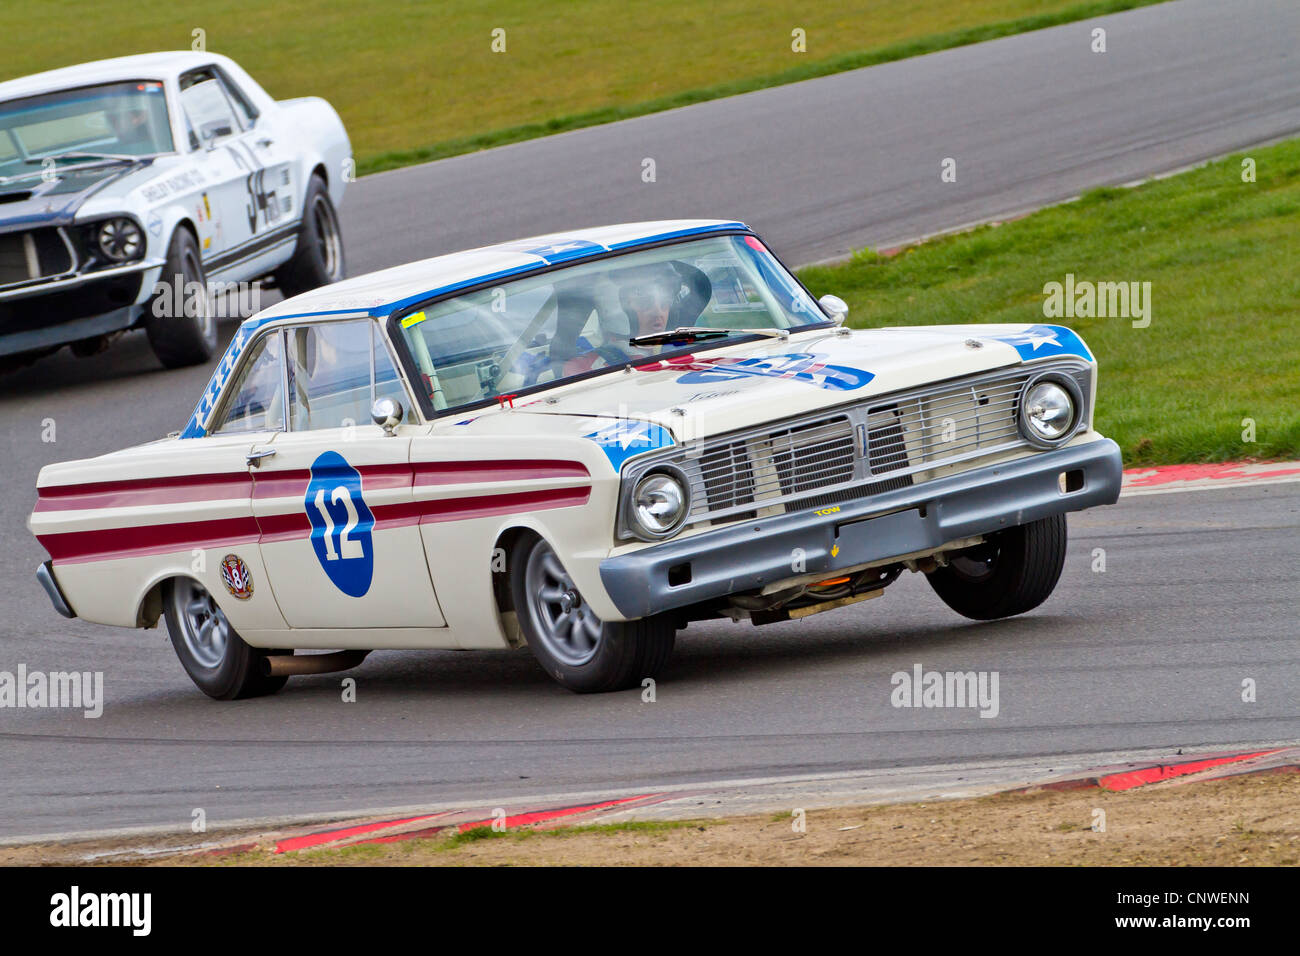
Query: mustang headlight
[659,504]
[119,240]
[1050,409]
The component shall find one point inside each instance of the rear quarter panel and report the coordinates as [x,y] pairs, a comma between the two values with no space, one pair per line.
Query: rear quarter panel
[118,525]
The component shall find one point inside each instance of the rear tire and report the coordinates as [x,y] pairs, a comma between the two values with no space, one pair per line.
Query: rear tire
[1014,571]
[190,337]
[212,653]
[580,651]
[318,257]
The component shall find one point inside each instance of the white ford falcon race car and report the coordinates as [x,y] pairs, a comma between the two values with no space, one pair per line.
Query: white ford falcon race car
[129,186]
[581,442]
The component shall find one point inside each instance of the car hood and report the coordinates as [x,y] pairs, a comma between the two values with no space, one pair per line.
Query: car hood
[723,389]
[32,202]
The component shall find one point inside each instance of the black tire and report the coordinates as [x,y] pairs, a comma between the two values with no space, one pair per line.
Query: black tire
[318,257]
[624,654]
[190,337]
[233,673]
[1014,571]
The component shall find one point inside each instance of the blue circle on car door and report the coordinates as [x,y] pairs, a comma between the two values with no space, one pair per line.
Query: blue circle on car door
[341,524]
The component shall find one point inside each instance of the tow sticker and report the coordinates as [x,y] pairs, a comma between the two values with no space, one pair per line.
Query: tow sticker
[341,524]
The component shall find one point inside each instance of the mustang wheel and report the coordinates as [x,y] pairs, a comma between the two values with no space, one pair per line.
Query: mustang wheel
[582,652]
[212,653]
[178,320]
[1012,572]
[318,257]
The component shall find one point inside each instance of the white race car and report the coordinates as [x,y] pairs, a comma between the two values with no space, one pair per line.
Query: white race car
[128,186]
[580,442]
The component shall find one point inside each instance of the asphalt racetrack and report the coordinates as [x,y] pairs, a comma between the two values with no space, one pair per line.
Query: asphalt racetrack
[1198,594]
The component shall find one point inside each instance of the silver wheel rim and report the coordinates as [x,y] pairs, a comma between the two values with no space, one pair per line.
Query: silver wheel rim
[328,241]
[205,632]
[562,620]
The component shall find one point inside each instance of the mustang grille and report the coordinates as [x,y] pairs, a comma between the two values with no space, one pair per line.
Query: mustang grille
[859,450]
[29,256]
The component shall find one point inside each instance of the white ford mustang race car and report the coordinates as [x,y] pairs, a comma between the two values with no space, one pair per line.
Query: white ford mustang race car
[129,185]
[581,443]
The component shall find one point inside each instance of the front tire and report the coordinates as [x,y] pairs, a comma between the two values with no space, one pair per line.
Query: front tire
[1014,571]
[211,651]
[190,337]
[318,257]
[573,645]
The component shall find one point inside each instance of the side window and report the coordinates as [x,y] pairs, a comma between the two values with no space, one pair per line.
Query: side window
[244,107]
[208,110]
[387,382]
[336,369]
[256,398]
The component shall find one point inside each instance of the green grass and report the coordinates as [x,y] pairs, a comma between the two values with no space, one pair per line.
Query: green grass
[1223,344]
[416,81]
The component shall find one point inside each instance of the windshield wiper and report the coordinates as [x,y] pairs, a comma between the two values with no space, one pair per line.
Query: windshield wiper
[690,333]
[102,157]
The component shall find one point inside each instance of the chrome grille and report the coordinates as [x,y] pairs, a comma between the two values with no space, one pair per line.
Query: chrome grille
[857,451]
[758,468]
[931,427]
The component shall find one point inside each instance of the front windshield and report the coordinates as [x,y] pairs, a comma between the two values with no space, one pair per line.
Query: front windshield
[568,322]
[122,119]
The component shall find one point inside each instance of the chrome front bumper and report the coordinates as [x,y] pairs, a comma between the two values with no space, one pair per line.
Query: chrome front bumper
[752,554]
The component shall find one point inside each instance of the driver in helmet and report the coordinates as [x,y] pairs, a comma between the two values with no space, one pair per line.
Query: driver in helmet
[131,127]
[647,301]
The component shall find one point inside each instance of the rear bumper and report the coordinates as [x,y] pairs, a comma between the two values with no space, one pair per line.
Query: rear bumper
[749,555]
[45,574]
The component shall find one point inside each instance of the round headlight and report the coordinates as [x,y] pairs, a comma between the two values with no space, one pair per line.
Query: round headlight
[120,240]
[1049,411]
[659,504]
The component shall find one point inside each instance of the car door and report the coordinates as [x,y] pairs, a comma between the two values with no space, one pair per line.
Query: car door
[213,484]
[271,186]
[222,213]
[332,495]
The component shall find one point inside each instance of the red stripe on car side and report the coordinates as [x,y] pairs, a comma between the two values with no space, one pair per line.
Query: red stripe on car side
[454,472]
[183,489]
[104,544]
[457,509]
[77,546]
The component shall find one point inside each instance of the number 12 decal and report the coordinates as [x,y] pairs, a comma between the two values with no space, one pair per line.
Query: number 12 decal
[341,524]
[351,546]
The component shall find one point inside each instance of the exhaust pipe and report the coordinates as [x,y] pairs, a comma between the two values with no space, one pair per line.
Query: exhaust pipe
[288,665]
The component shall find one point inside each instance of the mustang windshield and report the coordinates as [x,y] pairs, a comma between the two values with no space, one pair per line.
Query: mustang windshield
[117,119]
[567,322]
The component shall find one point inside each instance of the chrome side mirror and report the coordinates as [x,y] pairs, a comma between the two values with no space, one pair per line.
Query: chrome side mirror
[386,413]
[834,307]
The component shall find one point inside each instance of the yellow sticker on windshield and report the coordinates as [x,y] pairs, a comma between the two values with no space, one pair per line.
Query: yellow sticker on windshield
[415,319]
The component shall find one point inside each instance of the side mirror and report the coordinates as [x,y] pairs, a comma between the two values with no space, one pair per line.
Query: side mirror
[211,132]
[386,413]
[836,309]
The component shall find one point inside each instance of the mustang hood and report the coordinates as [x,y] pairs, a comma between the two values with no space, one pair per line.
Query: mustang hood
[30,202]
[724,389]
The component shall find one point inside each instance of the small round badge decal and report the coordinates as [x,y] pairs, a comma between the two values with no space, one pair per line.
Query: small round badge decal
[236,577]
